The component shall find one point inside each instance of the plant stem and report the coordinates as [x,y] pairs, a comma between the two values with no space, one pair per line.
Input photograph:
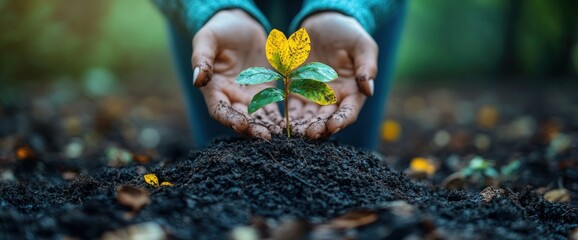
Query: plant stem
[286,82]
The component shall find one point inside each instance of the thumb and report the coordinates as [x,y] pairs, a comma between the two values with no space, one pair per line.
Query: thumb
[365,63]
[204,52]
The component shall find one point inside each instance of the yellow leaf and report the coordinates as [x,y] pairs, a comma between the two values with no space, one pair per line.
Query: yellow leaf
[168,184]
[420,164]
[151,179]
[558,195]
[299,48]
[488,116]
[277,51]
[390,130]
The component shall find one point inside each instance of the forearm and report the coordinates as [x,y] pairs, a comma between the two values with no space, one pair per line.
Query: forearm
[190,15]
[369,13]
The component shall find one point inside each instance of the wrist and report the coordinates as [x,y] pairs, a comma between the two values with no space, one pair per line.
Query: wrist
[325,16]
[240,15]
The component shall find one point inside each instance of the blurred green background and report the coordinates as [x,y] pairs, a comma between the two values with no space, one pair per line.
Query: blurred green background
[99,74]
[443,41]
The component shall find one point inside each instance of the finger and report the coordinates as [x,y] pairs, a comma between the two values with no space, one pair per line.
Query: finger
[300,125]
[241,108]
[318,129]
[258,131]
[221,110]
[257,121]
[204,53]
[309,111]
[272,118]
[346,114]
[365,64]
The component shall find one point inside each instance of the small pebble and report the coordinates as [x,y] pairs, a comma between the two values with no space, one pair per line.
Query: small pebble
[149,138]
[482,142]
[442,138]
[244,233]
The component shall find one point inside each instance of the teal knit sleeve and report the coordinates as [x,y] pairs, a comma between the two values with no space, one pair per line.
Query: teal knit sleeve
[191,15]
[369,13]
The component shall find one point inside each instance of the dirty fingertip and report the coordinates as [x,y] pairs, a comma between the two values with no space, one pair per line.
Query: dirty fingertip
[239,124]
[258,131]
[195,75]
[315,131]
[363,85]
[335,124]
[335,130]
[370,85]
[202,75]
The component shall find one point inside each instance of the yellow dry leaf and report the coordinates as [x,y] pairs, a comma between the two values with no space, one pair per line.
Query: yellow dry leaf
[168,184]
[151,179]
[488,116]
[132,197]
[390,131]
[299,48]
[277,51]
[558,195]
[420,164]
[354,219]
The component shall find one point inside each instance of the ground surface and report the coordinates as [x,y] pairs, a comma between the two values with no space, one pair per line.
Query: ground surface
[73,179]
[235,181]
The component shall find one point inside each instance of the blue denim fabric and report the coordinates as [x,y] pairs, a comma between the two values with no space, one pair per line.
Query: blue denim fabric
[363,133]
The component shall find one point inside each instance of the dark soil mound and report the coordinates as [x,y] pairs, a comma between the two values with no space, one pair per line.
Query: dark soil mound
[234,181]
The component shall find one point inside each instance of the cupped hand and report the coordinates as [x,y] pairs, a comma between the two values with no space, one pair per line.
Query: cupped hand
[228,43]
[342,43]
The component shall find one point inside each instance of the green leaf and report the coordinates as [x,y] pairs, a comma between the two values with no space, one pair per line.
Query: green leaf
[268,95]
[315,91]
[315,71]
[258,75]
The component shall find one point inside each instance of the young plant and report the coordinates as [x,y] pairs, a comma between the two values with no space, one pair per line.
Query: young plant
[285,55]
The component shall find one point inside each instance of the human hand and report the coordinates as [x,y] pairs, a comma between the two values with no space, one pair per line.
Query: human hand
[228,43]
[342,43]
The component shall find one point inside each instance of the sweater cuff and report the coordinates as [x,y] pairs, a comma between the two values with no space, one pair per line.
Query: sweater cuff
[195,14]
[353,9]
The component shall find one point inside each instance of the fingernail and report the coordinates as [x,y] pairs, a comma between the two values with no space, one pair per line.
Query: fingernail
[195,75]
[370,83]
[317,136]
[336,130]
[235,128]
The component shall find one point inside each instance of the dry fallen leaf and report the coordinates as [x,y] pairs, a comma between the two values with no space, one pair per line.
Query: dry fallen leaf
[488,116]
[390,130]
[132,197]
[425,165]
[560,195]
[167,184]
[353,219]
[151,179]
[141,158]
[455,181]
[25,153]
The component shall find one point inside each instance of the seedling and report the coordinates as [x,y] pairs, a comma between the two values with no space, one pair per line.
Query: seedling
[285,56]
[480,167]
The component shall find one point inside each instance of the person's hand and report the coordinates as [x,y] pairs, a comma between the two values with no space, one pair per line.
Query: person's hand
[228,43]
[342,43]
